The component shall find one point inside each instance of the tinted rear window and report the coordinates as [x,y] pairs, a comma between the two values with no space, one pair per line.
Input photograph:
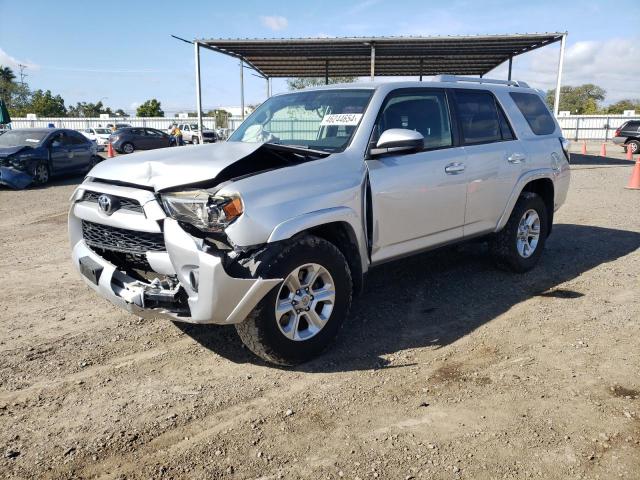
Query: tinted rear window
[478,115]
[535,112]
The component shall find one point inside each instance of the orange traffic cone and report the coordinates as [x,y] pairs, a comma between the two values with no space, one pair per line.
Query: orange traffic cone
[634,181]
[629,153]
[603,150]
[584,148]
[110,152]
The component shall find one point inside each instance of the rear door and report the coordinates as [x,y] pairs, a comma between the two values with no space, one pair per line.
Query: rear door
[495,158]
[80,149]
[418,199]
[140,140]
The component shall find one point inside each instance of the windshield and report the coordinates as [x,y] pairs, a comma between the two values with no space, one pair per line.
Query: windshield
[317,119]
[103,131]
[22,138]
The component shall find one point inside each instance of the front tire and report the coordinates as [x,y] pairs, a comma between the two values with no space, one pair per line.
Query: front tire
[299,319]
[41,174]
[195,140]
[519,245]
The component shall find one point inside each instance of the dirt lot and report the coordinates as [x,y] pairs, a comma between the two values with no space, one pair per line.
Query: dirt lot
[447,368]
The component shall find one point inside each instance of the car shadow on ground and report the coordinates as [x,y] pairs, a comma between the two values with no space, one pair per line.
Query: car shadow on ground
[434,299]
[597,160]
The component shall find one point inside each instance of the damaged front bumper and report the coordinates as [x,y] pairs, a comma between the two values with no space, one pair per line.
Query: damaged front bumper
[200,290]
[14,178]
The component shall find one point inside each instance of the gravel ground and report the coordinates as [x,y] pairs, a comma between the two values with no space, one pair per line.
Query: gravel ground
[446,369]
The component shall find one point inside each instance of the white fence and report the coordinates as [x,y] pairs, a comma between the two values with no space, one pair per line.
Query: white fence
[592,127]
[574,127]
[160,123]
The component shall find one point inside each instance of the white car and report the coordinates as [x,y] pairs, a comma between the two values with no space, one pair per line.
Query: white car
[98,135]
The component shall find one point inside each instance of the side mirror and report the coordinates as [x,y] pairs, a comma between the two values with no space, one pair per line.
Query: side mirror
[398,140]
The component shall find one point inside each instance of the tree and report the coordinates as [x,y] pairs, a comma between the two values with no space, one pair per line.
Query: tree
[221,116]
[582,100]
[6,74]
[150,108]
[120,113]
[299,83]
[618,108]
[90,110]
[45,104]
[7,83]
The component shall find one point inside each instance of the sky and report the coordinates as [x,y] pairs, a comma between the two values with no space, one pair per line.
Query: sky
[122,52]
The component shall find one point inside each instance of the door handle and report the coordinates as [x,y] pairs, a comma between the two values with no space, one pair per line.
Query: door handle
[516,158]
[454,168]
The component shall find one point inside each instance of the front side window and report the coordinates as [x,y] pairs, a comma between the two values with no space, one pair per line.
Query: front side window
[425,112]
[535,112]
[478,117]
[318,119]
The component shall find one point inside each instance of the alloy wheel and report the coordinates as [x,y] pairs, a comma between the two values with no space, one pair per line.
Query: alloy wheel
[528,233]
[305,302]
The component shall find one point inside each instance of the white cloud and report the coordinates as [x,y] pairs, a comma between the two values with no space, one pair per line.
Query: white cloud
[274,22]
[611,64]
[9,61]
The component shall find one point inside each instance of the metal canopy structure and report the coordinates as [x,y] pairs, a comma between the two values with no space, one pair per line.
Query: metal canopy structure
[382,56]
[375,56]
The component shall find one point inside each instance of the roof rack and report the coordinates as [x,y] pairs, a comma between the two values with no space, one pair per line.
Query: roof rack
[455,79]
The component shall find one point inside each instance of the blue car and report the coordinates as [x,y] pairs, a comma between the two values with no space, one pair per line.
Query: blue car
[33,156]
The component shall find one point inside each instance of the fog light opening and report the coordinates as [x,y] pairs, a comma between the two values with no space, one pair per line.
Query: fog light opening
[193,279]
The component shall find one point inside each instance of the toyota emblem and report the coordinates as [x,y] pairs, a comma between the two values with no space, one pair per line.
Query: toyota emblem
[106,204]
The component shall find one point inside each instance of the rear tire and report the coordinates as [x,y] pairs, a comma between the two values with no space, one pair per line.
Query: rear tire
[302,325]
[128,148]
[634,145]
[519,245]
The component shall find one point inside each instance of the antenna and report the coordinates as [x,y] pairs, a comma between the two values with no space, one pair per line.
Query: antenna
[22,74]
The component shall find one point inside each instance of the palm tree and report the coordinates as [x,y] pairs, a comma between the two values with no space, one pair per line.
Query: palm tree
[7,74]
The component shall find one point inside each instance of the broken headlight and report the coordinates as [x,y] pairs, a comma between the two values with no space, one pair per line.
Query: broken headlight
[207,212]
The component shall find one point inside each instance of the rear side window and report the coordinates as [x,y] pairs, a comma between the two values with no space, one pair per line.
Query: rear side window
[535,112]
[478,117]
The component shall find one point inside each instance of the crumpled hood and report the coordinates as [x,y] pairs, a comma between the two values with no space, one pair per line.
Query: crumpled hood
[171,167]
[7,151]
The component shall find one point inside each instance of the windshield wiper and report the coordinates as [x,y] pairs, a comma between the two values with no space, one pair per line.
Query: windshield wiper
[297,148]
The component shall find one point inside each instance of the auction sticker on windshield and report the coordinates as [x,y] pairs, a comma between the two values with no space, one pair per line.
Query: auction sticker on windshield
[341,119]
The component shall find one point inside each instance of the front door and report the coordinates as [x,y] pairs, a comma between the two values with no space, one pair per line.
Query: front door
[418,199]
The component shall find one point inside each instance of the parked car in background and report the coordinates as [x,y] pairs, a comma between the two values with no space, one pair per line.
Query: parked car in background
[130,139]
[628,135]
[32,155]
[117,126]
[98,135]
[190,134]
[273,232]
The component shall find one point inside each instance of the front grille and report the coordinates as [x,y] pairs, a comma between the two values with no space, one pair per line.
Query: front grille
[121,240]
[123,202]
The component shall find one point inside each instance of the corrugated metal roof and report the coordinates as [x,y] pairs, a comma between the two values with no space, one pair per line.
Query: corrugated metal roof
[394,56]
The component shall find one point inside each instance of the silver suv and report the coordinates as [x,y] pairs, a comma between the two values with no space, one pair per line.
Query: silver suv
[274,230]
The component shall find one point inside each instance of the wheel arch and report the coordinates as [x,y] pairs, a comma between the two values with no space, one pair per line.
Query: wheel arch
[539,182]
[341,226]
[545,189]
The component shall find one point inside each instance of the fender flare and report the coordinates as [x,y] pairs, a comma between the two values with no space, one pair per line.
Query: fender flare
[292,226]
[524,179]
